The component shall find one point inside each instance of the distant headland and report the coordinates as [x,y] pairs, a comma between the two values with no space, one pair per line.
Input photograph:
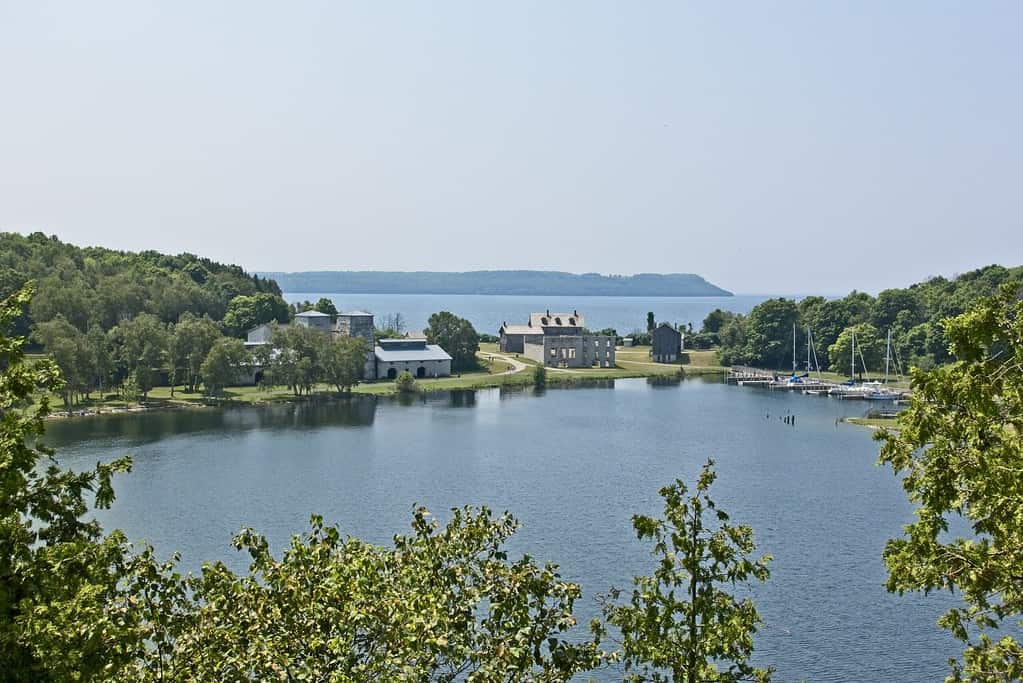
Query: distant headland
[518,282]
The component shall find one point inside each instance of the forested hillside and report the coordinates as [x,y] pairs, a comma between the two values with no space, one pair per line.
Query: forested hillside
[97,287]
[914,315]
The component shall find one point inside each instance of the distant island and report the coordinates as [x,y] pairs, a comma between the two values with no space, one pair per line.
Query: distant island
[520,282]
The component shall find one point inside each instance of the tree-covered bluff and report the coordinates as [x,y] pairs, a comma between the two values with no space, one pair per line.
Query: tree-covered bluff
[98,287]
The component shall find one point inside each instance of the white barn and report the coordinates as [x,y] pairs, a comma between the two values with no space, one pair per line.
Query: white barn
[392,356]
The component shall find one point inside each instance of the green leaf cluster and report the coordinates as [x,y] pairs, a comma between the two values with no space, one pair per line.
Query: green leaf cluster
[960,450]
[683,623]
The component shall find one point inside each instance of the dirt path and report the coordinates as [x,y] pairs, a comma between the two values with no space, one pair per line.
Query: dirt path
[517,365]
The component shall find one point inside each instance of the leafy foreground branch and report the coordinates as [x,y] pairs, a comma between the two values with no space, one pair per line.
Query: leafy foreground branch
[681,624]
[960,447]
[444,603]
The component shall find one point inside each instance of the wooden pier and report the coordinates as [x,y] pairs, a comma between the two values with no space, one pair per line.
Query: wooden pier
[742,375]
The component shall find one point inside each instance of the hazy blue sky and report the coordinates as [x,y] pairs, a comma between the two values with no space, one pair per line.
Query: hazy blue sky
[771,147]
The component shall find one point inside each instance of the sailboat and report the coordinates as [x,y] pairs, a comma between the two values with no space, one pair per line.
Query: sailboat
[795,381]
[876,391]
[849,389]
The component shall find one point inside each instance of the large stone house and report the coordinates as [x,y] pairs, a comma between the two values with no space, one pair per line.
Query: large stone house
[573,351]
[557,340]
[513,337]
[665,344]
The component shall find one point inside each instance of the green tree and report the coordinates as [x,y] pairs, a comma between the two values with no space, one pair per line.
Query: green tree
[959,452]
[443,604]
[299,362]
[190,342]
[141,345]
[67,347]
[245,312]
[870,348]
[223,365]
[715,320]
[325,305]
[651,323]
[733,342]
[344,361]
[101,361]
[769,334]
[539,376]
[681,624]
[890,303]
[456,336]
[60,616]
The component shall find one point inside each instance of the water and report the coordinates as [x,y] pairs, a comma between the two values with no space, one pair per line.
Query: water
[487,313]
[573,465]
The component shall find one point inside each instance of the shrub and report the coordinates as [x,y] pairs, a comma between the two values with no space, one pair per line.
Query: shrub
[405,382]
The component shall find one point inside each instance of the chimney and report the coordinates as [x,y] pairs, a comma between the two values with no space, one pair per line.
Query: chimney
[548,312]
[575,313]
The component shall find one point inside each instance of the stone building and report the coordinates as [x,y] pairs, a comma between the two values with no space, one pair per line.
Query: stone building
[392,356]
[315,320]
[355,324]
[514,337]
[558,340]
[572,350]
[665,344]
[359,324]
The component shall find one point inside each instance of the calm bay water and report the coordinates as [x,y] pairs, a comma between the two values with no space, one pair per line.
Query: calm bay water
[573,465]
[487,313]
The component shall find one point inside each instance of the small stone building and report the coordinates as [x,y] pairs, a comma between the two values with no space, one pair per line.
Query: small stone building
[392,356]
[355,324]
[315,320]
[665,344]
[260,334]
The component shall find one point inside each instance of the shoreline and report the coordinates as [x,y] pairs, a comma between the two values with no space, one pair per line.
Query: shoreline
[520,376]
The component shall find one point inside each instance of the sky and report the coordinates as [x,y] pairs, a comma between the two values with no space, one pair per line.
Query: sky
[810,147]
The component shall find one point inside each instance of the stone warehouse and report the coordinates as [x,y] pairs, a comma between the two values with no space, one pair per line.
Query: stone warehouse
[392,356]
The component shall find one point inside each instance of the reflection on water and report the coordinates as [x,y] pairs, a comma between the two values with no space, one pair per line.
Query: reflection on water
[150,427]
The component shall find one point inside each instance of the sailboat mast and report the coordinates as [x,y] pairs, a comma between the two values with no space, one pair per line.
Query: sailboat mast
[852,359]
[793,349]
[808,349]
[887,355]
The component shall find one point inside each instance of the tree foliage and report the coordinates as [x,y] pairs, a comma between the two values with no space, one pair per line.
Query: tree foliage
[405,382]
[869,351]
[913,315]
[59,577]
[456,336]
[223,365]
[960,449]
[681,623]
[442,604]
[245,312]
[344,361]
[96,287]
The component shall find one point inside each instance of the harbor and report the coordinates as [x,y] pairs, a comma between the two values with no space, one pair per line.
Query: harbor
[807,383]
